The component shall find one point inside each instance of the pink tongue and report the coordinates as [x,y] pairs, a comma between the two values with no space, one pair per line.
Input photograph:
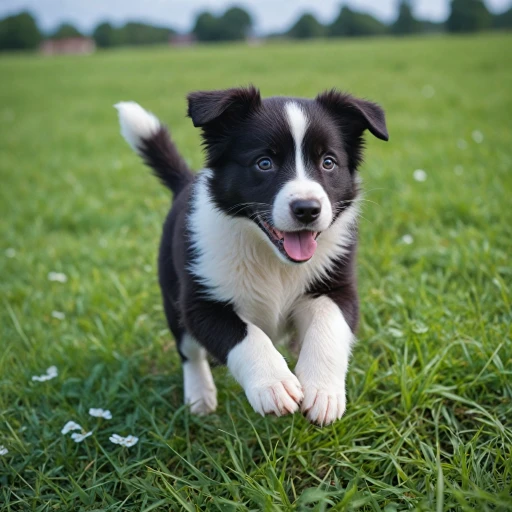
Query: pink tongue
[299,245]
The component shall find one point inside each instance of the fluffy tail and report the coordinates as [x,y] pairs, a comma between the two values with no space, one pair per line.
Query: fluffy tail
[151,140]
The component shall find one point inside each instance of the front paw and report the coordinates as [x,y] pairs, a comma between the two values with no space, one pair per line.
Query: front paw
[278,397]
[323,405]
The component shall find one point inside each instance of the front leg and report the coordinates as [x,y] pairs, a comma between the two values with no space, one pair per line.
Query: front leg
[323,360]
[261,370]
[249,354]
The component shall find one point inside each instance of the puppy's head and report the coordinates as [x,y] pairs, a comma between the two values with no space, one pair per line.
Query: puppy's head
[287,164]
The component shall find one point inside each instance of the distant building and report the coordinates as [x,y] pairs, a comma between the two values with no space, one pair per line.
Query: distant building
[182,40]
[71,45]
[253,40]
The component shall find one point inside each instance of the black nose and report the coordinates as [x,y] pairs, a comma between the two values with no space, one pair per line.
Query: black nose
[306,210]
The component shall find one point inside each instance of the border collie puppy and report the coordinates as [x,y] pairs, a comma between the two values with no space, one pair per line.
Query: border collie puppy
[261,244]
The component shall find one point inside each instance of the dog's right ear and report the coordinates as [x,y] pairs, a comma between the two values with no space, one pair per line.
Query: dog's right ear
[211,107]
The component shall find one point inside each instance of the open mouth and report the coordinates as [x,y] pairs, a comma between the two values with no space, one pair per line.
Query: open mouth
[297,246]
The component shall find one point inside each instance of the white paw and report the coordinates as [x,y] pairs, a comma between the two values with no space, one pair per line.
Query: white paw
[278,397]
[323,406]
[203,402]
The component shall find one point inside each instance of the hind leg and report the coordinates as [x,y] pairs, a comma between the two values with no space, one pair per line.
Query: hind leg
[199,389]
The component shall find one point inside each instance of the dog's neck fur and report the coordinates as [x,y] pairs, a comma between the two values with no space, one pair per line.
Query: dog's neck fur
[237,264]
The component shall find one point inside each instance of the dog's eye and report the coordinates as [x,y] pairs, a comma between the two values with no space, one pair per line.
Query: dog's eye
[264,164]
[328,163]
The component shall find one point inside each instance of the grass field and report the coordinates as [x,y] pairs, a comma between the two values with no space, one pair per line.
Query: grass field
[429,418]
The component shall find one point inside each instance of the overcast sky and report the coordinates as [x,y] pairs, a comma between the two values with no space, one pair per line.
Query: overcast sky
[269,15]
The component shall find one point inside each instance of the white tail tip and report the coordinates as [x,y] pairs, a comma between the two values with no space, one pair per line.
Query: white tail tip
[136,123]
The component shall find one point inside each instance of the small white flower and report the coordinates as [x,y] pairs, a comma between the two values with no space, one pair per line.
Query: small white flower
[458,170]
[78,438]
[130,441]
[116,439]
[3,450]
[10,252]
[123,441]
[57,276]
[462,144]
[478,136]
[420,175]
[51,373]
[140,319]
[407,239]
[40,378]
[59,315]
[69,426]
[100,413]
[428,91]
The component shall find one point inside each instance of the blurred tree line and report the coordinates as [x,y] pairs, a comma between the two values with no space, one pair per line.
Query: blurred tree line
[235,24]
[465,16]
[106,35]
[21,32]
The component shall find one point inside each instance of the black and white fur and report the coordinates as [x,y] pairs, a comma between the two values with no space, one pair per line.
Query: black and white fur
[238,266]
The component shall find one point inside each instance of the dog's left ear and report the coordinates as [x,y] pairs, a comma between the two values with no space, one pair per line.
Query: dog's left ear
[355,115]
[209,107]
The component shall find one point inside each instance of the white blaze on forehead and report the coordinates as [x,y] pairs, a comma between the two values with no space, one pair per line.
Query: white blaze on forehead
[298,122]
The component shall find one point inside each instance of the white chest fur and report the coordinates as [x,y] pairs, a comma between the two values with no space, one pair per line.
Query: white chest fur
[238,264]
